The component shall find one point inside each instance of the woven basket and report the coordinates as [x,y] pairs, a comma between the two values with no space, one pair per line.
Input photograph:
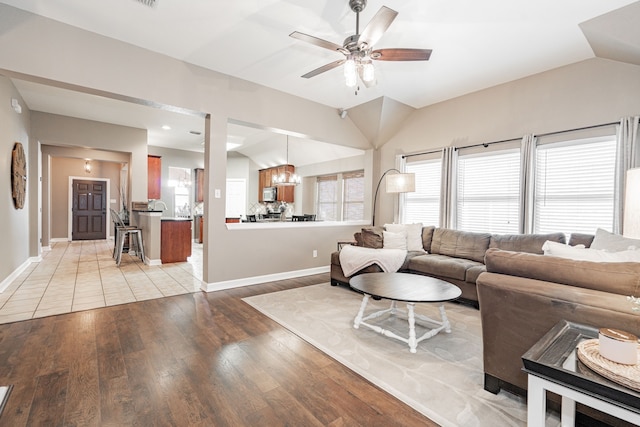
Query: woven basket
[626,375]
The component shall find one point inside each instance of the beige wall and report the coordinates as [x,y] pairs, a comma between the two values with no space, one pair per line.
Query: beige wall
[61,169]
[55,130]
[582,94]
[15,224]
[66,137]
[100,64]
[587,93]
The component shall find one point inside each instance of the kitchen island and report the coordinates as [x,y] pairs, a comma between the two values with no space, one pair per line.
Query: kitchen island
[175,239]
[165,239]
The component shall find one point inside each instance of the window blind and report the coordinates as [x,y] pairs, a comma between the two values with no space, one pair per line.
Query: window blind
[574,186]
[327,198]
[353,194]
[488,192]
[423,205]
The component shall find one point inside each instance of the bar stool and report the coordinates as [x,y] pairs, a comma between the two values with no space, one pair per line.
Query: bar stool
[122,231]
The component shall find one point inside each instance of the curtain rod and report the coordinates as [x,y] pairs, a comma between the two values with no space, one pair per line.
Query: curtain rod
[404,156]
[577,129]
[486,144]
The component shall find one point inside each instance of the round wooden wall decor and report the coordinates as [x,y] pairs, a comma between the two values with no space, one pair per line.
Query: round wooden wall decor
[18,175]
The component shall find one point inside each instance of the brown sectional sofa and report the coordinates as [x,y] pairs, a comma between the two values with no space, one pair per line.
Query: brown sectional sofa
[452,255]
[522,296]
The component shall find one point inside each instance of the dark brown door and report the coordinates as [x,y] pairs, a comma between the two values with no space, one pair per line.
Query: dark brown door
[89,210]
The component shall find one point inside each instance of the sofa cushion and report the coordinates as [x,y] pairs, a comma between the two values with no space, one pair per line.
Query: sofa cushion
[588,254]
[617,277]
[372,237]
[413,234]
[531,243]
[460,244]
[613,242]
[581,239]
[473,272]
[427,236]
[441,266]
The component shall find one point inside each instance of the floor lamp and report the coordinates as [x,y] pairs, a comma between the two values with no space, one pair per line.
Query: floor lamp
[396,183]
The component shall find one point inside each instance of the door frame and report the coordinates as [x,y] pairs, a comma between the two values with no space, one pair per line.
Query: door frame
[70,207]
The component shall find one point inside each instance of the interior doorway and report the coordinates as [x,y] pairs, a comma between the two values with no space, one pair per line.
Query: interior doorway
[89,209]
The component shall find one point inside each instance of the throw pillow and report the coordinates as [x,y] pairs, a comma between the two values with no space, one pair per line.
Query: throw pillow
[613,242]
[372,237]
[394,240]
[414,234]
[589,254]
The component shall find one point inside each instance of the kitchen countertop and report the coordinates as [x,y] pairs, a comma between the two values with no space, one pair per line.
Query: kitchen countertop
[176,218]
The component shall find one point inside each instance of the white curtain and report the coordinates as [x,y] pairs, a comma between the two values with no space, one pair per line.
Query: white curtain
[527,178]
[627,157]
[447,187]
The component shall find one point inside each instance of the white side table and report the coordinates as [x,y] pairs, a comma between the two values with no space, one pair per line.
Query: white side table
[537,402]
[552,365]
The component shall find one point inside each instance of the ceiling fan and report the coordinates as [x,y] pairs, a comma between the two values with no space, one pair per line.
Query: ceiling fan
[358,48]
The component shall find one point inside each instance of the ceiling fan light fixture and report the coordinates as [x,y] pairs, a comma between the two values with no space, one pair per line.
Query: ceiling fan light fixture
[350,72]
[368,72]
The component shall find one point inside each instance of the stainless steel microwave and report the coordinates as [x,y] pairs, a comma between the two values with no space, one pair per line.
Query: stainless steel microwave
[269,194]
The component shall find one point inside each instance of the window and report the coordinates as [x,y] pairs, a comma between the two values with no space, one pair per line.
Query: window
[180,180]
[423,205]
[327,203]
[353,194]
[574,186]
[488,191]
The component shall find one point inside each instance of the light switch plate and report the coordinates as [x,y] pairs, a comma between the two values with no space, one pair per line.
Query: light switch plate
[217,193]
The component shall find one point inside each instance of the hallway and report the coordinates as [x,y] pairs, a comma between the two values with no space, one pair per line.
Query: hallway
[82,275]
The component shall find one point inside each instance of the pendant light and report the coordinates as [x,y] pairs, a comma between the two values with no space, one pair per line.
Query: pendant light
[286,178]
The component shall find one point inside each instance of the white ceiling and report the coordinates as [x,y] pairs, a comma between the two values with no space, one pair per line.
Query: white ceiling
[475,45]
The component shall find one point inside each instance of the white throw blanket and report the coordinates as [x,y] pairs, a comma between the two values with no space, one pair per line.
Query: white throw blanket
[355,258]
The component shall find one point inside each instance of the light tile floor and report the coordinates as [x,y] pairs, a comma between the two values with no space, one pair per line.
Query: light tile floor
[82,275]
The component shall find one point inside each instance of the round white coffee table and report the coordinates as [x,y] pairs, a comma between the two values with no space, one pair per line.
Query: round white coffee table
[408,288]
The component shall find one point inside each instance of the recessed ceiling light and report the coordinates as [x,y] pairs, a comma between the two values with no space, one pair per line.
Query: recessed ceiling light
[166,127]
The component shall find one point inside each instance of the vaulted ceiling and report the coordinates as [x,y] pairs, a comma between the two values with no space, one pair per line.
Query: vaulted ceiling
[475,45]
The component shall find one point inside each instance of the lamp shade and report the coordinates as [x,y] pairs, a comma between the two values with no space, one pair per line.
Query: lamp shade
[631,226]
[401,183]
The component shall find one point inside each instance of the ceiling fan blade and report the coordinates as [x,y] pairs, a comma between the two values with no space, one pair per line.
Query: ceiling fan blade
[324,68]
[377,26]
[401,54]
[315,41]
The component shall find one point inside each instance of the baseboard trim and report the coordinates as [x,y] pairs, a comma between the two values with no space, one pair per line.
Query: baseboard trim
[152,261]
[59,240]
[255,280]
[14,275]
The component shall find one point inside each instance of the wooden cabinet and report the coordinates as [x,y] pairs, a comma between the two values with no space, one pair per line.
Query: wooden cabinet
[285,192]
[265,179]
[154,177]
[175,240]
[199,179]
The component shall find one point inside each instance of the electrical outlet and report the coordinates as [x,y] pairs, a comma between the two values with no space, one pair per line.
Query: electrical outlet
[315,253]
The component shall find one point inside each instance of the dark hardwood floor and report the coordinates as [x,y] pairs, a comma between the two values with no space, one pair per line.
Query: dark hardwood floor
[197,359]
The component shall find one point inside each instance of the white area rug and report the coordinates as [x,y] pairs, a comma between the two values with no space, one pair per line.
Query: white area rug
[443,380]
